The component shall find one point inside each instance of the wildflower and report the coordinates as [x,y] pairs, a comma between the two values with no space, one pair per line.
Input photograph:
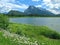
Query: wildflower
[43,43]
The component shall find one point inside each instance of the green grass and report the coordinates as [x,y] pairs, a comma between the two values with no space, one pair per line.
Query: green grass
[43,34]
[7,38]
[6,41]
[23,34]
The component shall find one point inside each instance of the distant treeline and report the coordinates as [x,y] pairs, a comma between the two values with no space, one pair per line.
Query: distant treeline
[32,15]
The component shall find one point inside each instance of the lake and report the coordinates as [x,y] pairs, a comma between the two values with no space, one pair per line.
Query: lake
[51,22]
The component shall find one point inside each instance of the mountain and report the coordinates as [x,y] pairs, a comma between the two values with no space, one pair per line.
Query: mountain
[31,11]
[14,12]
[35,10]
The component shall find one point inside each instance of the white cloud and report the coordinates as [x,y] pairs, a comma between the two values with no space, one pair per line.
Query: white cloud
[38,5]
[56,1]
[53,5]
[35,0]
[22,6]
[7,5]
[47,1]
[54,11]
[7,1]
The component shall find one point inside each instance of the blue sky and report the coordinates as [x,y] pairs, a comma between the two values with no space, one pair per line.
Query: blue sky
[21,5]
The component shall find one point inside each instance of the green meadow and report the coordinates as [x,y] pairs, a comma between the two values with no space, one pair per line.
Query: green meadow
[42,34]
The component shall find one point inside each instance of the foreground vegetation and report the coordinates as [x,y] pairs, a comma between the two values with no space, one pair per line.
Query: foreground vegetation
[22,34]
[7,38]
[4,21]
[42,34]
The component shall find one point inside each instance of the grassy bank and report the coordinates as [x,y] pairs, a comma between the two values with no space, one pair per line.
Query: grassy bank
[23,34]
[43,34]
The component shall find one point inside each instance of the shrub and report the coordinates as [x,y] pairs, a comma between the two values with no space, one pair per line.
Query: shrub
[4,21]
[51,34]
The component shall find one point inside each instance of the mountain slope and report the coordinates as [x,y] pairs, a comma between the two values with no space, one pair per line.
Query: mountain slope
[14,12]
[35,10]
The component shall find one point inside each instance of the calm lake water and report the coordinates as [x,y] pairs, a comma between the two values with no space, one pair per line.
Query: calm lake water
[52,22]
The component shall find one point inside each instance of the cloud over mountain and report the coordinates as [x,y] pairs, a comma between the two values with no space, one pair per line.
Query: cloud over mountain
[7,5]
[21,5]
[54,5]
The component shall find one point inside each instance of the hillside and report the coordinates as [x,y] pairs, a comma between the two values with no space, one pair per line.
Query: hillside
[38,11]
[15,13]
